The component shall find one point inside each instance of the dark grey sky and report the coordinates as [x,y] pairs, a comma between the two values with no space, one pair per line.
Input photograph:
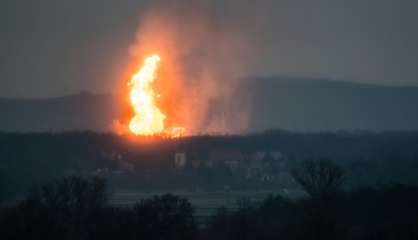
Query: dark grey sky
[56,47]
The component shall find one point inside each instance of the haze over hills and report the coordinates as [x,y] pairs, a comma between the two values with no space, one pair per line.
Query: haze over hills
[277,103]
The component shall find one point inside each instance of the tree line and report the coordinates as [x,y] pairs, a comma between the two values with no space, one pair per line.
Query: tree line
[28,160]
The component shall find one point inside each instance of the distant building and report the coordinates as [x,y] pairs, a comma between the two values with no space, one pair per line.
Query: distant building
[116,163]
[257,156]
[231,157]
[180,160]
[277,155]
[261,165]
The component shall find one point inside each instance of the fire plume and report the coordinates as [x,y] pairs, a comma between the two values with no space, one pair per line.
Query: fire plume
[148,118]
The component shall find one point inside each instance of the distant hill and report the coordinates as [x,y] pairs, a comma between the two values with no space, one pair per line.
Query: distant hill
[83,111]
[277,102]
[315,105]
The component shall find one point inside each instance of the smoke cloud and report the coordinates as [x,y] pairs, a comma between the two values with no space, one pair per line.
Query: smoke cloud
[205,53]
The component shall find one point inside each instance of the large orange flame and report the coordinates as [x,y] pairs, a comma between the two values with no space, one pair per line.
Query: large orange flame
[148,119]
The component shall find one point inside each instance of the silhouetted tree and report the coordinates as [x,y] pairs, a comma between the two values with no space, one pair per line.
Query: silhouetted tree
[166,217]
[72,194]
[322,217]
[321,178]
[63,209]
[2,187]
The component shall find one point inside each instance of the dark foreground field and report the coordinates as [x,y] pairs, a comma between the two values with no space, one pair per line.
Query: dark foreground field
[77,208]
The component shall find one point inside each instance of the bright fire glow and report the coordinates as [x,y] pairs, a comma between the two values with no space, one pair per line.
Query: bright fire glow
[148,118]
